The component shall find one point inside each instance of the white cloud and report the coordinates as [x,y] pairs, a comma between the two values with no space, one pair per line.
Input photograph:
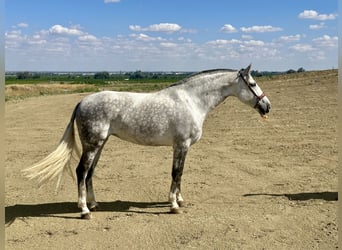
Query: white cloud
[135,27]
[168,45]
[13,39]
[292,38]
[260,29]
[142,37]
[317,26]
[247,37]
[183,39]
[220,42]
[312,14]
[111,1]
[22,25]
[302,47]
[36,42]
[254,43]
[145,38]
[60,30]
[161,27]
[14,34]
[316,55]
[87,38]
[189,31]
[165,27]
[228,28]
[326,41]
[240,50]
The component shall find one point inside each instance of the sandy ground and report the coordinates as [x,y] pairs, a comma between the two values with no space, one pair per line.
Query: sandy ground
[248,183]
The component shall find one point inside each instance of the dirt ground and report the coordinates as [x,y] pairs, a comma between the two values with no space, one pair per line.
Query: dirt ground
[248,183]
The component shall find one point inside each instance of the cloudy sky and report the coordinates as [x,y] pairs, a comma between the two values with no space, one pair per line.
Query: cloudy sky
[167,35]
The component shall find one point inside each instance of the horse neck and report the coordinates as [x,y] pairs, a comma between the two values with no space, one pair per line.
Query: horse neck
[209,91]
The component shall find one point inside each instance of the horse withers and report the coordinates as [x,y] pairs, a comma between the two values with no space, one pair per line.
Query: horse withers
[173,116]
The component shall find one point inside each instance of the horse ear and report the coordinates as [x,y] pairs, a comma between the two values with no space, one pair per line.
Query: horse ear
[246,71]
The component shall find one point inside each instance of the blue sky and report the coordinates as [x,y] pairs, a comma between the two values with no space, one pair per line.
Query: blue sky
[170,35]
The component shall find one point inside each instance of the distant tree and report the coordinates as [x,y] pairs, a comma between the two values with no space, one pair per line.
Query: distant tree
[290,71]
[137,75]
[35,75]
[301,70]
[256,73]
[101,75]
[23,75]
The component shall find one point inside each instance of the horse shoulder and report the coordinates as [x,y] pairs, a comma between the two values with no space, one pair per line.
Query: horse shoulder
[189,117]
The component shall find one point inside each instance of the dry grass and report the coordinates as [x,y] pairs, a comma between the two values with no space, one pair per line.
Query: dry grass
[21,91]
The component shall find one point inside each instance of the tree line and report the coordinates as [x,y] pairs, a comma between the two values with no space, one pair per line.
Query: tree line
[105,76]
[257,73]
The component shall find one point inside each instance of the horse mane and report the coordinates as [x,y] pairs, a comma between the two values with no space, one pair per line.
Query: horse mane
[197,74]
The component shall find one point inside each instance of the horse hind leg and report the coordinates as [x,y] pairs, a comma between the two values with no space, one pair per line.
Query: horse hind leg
[84,173]
[92,204]
[91,201]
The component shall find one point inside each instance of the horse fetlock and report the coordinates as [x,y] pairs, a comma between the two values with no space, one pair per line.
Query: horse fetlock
[181,203]
[85,214]
[175,210]
[180,200]
[174,205]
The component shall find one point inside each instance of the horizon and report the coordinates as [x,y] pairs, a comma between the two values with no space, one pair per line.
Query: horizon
[160,72]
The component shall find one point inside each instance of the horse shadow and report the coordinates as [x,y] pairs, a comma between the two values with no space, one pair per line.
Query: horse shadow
[67,210]
[327,196]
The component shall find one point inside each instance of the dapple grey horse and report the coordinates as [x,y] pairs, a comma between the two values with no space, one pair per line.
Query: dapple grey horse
[173,116]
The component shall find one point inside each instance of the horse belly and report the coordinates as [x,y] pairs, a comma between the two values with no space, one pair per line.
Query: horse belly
[149,139]
[148,130]
[152,141]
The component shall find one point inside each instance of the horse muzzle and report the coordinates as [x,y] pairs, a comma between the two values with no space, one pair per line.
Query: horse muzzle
[263,106]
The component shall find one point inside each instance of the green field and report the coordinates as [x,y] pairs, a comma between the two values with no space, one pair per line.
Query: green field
[24,84]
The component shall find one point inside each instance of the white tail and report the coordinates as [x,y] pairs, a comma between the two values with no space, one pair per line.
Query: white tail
[58,161]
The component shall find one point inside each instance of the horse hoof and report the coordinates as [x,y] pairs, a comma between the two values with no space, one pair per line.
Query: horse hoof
[94,209]
[175,210]
[181,203]
[86,216]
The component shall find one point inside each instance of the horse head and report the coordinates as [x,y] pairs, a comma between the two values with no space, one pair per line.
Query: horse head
[250,93]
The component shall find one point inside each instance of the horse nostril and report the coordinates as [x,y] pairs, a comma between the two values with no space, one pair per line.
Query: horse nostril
[268,107]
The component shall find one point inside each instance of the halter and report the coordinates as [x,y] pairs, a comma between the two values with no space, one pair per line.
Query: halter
[259,97]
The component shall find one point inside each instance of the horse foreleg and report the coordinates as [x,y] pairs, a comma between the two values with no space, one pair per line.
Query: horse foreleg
[175,197]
